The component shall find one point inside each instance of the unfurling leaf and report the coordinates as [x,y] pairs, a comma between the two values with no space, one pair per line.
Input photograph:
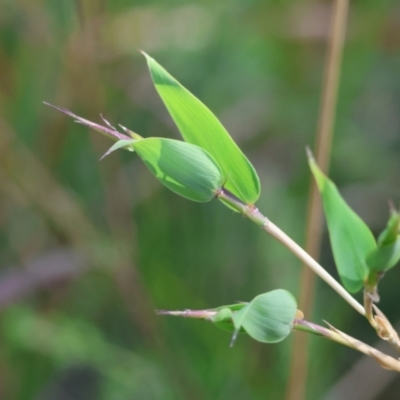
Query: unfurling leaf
[384,257]
[350,237]
[199,126]
[269,317]
[224,316]
[387,254]
[184,168]
[121,144]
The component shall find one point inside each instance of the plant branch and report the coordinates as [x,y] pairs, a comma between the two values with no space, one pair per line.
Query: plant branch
[385,329]
[379,322]
[368,305]
[108,130]
[255,215]
[334,334]
[278,234]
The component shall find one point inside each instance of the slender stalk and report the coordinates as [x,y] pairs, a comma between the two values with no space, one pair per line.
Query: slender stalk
[300,324]
[200,314]
[385,329]
[334,334]
[255,215]
[368,305]
[298,371]
[278,234]
[108,130]
[379,322]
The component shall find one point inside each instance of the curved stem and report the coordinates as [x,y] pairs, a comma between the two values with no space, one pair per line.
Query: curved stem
[255,215]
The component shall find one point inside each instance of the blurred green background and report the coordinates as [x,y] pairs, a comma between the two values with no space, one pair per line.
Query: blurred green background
[89,249]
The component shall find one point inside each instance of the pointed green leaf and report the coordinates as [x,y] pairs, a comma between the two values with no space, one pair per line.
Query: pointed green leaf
[392,230]
[350,237]
[199,126]
[387,254]
[121,144]
[224,317]
[224,320]
[268,318]
[384,257]
[186,169]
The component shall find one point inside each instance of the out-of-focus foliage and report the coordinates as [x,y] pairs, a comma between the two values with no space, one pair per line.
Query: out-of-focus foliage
[89,249]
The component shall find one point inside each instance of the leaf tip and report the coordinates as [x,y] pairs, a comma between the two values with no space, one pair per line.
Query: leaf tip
[309,154]
[392,208]
[127,144]
[104,155]
[234,337]
[148,58]
[132,134]
[55,107]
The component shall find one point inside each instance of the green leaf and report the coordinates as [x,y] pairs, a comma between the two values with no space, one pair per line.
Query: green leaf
[268,318]
[199,126]
[184,168]
[224,320]
[384,257]
[387,254]
[350,237]
[121,144]
[224,317]
[392,230]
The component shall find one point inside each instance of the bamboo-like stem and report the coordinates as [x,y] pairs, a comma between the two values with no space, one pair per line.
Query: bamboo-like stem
[379,322]
[300,324]
[278,234]
[368,306]
[200,314]
[299,368]
[385,329]
[108,130]
[255,215]
[334,334]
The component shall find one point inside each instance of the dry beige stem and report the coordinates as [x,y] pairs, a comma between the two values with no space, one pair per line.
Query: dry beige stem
[385,329]
[382,359]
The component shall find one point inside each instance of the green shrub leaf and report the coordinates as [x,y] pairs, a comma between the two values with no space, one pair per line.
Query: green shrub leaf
[392,231]
[387,254]
[350,237]
[268,318]
[224,316]
[184,168]
[199,126]
[384,257]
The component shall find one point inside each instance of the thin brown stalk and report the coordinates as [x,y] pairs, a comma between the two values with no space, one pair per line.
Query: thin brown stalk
[299,368]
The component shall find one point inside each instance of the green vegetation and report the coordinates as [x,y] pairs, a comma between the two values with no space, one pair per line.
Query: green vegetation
[90,250]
